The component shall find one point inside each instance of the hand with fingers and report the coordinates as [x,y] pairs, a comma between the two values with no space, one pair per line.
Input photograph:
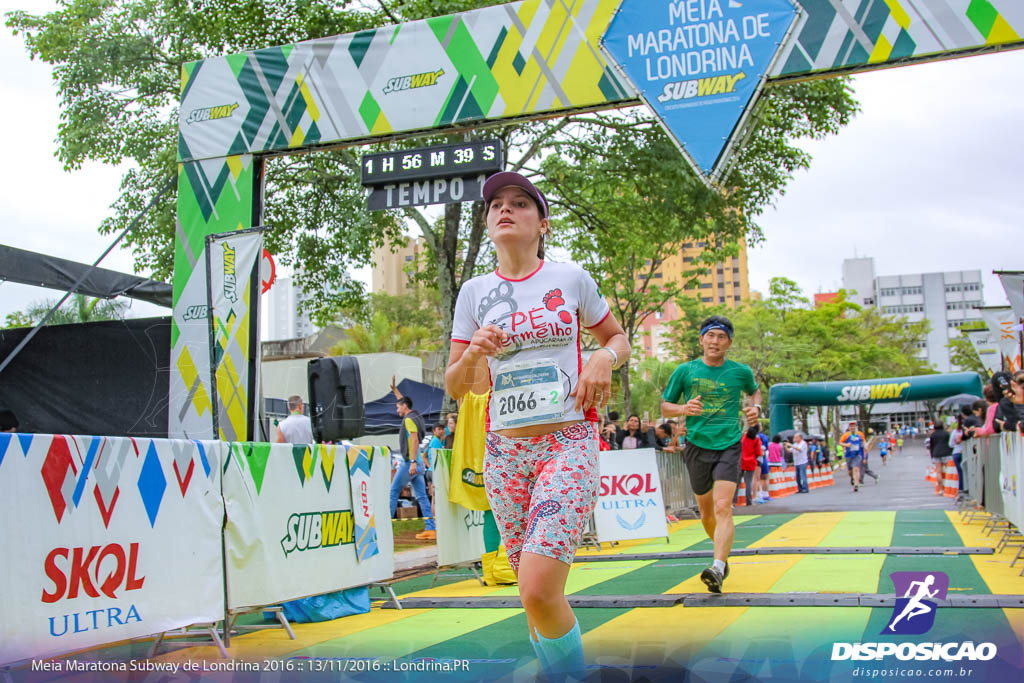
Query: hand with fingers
[486,341]
[694,406]
[594,388]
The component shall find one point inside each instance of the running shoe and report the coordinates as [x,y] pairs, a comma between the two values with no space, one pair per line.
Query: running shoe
[713,578]
[855,488]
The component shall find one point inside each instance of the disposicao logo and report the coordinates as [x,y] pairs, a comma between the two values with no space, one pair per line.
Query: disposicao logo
[914,614]
[411,81]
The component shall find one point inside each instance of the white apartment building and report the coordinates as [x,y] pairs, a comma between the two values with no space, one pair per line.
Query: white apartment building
[285,321]
[947,300]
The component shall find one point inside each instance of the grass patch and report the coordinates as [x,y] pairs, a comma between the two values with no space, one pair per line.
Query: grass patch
[405,531]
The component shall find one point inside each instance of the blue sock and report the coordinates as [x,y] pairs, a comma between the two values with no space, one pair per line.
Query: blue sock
[562,656]
[537,651]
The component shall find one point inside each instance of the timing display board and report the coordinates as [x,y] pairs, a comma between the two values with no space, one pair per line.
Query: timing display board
[423,192]
[455,160]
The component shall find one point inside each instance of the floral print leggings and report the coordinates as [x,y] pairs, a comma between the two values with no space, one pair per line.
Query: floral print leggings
[542,490]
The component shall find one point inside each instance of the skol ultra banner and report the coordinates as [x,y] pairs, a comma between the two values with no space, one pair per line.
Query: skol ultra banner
[360,461]
[291,523]
[106,539]
[460,532]
[232,263]
[629,502]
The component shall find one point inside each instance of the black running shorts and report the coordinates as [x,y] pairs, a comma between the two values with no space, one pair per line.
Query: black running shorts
[706,466]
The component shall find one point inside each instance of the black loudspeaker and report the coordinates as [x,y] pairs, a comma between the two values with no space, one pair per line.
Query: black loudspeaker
[335,398]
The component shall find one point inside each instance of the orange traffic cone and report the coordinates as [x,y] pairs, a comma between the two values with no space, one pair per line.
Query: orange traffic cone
[951,480]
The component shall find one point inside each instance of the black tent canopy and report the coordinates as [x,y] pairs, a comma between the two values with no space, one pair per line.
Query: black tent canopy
[380,415]
[40,270]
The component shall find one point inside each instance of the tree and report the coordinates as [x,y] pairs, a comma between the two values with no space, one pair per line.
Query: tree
[419,308]
[649,379]
[77,309]
[383,335]
[17,319]
[964,355]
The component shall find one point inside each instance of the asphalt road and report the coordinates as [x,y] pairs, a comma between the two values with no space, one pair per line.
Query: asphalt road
[901,486]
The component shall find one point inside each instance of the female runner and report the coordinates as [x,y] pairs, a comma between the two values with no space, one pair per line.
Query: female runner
[516,332]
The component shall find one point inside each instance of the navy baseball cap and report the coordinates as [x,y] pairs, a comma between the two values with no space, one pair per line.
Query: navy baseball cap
[507,178]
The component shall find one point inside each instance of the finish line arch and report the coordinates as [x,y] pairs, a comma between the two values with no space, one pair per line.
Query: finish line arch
[509,62]
[782,397]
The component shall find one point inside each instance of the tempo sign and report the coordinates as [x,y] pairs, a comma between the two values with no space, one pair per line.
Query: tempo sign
[423,192]
[442,174]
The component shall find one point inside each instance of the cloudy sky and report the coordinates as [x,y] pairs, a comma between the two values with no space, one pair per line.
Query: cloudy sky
[927,178]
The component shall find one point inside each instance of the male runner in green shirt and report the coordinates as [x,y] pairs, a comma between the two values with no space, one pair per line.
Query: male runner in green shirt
[711,388]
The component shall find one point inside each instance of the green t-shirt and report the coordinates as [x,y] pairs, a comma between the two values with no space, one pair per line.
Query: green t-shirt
[720,389]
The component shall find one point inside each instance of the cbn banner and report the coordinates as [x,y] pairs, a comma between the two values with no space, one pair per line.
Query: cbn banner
[629,502]
[360,461]
[1011,477]
[986,344]
[460,532]
[106,539]
[291,523]
[232,275]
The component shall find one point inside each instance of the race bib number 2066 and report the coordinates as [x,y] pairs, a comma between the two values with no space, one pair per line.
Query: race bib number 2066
[526,394]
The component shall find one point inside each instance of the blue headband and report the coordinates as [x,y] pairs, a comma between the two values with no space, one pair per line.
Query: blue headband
[716,326]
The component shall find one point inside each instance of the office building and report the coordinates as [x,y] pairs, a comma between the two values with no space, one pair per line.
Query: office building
[726,283]
[947,300]
[285,320]
[391,273]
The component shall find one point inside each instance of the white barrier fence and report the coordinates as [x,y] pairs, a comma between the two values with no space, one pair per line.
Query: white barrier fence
[107,539]
[1011,477]
[291,521]
[460,532]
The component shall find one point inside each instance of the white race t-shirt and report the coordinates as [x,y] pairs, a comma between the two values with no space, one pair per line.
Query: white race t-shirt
[542,314]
